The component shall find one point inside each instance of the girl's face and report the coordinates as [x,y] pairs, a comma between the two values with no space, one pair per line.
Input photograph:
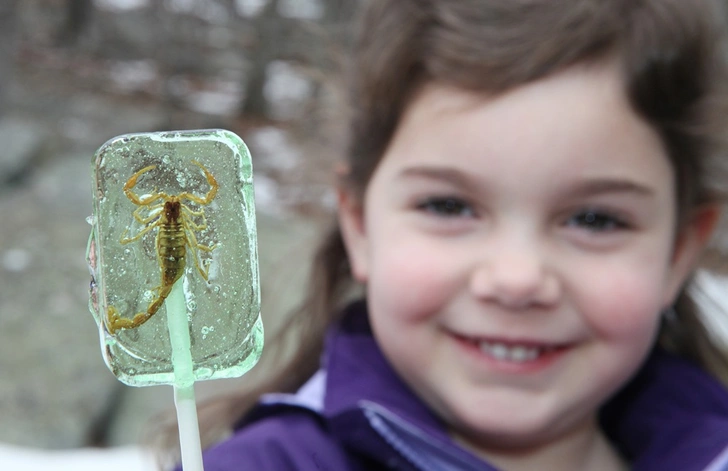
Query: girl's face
[517,253]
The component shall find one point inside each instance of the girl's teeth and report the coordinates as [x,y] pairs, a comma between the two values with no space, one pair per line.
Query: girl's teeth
[516,354]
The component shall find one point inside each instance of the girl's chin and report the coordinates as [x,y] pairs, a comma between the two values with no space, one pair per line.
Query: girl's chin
[501,439]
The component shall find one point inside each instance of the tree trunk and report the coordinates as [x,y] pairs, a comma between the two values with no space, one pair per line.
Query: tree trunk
[78,17]
[265,51]
[8,20]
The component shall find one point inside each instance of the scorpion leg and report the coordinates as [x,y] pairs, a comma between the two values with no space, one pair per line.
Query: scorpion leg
[201,212]
[210,194]
[145,220]
[190,222]
[127,240]
[115,322]
[194,246]
[191,238]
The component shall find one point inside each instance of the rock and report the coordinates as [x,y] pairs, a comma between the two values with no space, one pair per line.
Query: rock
[23,140]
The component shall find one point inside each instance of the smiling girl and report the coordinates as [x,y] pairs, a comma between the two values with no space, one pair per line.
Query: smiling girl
[528,190]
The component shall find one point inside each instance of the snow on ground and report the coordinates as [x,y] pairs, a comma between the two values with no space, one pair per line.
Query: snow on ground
[14,458]
[303,9]
[307,10]
[249,7]
[275,147]
[121,5]
[712,296]
[286,88]
[220,97]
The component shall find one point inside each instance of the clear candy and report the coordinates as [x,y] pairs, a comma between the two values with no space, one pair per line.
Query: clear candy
[134,175]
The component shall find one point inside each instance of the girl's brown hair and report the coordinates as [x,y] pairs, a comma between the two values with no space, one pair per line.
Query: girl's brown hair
[671,52]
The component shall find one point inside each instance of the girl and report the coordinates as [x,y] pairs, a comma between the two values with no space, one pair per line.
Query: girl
[529,187]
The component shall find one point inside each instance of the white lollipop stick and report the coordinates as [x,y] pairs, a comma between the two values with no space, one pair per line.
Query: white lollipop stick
[184,380]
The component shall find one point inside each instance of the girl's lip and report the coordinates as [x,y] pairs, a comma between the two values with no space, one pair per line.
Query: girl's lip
[513,356]
[512,341]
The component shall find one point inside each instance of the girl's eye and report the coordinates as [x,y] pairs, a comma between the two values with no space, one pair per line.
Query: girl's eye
[448,207]
[596,221]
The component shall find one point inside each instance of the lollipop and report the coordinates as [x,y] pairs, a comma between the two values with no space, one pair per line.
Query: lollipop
[174,264]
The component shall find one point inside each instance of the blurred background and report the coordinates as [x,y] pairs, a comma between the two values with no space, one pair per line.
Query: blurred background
[75,73]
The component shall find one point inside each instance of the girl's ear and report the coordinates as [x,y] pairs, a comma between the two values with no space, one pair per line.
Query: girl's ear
[353,231]
[689,245]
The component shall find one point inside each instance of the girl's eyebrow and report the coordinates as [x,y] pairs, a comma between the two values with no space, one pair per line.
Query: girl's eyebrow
[446,174]
[611,185]
[589,187]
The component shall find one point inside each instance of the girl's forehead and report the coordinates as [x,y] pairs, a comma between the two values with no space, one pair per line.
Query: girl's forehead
[564,104]
[603,79]
[577,121]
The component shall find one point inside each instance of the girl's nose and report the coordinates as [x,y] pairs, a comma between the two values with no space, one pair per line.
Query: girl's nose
[515,279]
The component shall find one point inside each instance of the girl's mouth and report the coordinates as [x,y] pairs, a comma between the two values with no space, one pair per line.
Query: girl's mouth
[512,353]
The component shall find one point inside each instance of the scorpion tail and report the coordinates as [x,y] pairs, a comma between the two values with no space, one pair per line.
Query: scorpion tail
[116,322]
[155,305]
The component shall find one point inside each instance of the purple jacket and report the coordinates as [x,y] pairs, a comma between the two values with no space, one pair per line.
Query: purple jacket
[357,415]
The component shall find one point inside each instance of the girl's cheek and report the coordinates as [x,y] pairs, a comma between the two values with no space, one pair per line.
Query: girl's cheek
[414,281]
[624,308]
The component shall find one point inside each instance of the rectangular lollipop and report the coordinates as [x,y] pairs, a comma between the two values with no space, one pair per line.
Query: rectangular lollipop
[173,230]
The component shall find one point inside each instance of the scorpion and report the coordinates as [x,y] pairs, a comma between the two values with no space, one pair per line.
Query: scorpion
[176,234]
